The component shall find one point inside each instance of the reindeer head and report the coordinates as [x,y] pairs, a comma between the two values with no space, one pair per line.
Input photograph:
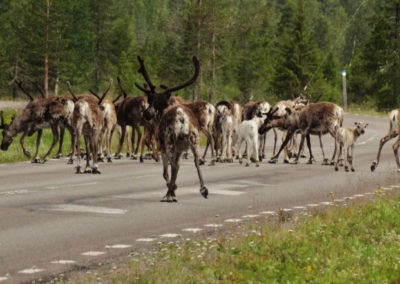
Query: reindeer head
[9,132]
[301,100]
[269,117]
[360,127]
[56,109]
[158,100]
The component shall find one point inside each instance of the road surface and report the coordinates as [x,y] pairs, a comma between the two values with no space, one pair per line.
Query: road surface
[52,220]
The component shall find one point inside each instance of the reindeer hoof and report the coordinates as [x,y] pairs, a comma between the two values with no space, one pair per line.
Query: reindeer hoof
[229,160]
[309,162]
[109,160]
[286,161]
[141,159]
[35,161]
[336,168]
[240,161]
[218,160]
[303,156]
[247,164]
[257,164]
[353,170]
[70,161]
[204,191]
[294,162]
[58,156]
[202,162]
[260,158]
[95,171]
[100,159]
[133,157]
[373,166]
[346,169]
[325,162]
[78,170]
[127,155]
[44,161]
[273,161]
[212,163]
[119,156]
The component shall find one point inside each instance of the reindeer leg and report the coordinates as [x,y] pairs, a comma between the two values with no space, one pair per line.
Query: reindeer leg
[310,160]
[142,145]
[108,144]
[324,159]
[203,188]
[274,159]
[346,158]
[94,146]
[352,158]
[36,158]
[396,155]
[88,152]
[21,141]
[62,132]
[275,141]
[296,160]
[133,137]
[78,150]
[382,142]
[337,157]
[54,130]
[121,142]
[73,142]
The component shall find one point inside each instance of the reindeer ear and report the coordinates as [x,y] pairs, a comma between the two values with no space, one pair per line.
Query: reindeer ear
[288,110]
[356,123]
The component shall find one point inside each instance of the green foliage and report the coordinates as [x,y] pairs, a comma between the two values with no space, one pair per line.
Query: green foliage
[248,49]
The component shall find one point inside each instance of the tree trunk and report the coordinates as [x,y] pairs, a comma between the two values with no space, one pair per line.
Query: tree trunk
[213,74]
[46,54]
[198,87]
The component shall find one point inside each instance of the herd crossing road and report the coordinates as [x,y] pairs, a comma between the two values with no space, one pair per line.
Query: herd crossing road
[52,219]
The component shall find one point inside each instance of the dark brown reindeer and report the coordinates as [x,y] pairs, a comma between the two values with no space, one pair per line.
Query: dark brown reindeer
[178,129]
[88,119]
[313,119]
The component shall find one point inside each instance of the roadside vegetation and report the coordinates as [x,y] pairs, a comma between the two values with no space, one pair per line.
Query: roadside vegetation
[359,244]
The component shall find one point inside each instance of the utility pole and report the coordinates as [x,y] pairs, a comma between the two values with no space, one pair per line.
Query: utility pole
[344,89]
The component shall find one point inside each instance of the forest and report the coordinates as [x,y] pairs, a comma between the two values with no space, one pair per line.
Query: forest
[248,49]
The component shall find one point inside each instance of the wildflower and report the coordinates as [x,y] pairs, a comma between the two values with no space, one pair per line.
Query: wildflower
[309,269]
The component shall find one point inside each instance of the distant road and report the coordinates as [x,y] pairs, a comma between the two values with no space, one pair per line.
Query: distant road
[52,220]
[12,104]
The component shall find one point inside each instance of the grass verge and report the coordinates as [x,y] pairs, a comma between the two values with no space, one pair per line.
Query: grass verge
[360,244]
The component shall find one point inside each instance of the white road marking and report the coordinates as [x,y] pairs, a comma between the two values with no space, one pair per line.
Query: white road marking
[136,177]
[63,261]
[15,192]
[395,186]
[250,216]
[169,236]
[387,188]
[145,240]
[118,246]
[299,207]
[3,278]
[213,225]
[358,195]
[339,200]
[192,230]
[370,193]
[255,183]
[85,209]
[51,187]
[31,270]
[233,220]
[326,203]
[93,253]
[268,212]
[286,209]
[81,184]
[312,205]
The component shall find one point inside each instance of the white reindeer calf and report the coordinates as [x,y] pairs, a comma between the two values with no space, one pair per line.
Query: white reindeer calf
[345,139]
[248,132]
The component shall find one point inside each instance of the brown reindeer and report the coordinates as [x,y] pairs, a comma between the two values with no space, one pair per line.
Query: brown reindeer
[313,119]
[394,128]
[38,114]
[88,119]
[178,129]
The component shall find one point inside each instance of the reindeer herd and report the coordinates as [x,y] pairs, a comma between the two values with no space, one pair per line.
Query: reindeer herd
[172,128]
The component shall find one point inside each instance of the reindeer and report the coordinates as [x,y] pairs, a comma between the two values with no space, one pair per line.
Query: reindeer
[345,139]
[38,114]
[223,131]
[249,112]
[178,129]
[394,128]
[110,121]
[88,119]
[316,119]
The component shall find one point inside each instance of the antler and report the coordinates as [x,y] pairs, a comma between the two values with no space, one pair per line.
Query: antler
[71,91]
[94,94]
[105,92]
[117,98]
[191,80]
[143,71]
[37,86]
[19,84]
[121,88]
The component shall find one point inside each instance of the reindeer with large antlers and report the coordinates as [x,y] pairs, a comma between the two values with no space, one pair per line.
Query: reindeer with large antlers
[178,129]
[88,119]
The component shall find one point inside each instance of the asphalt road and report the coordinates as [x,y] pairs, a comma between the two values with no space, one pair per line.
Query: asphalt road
[52,220]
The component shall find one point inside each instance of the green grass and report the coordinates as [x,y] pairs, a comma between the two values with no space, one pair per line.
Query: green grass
[367,108]
[360,244]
